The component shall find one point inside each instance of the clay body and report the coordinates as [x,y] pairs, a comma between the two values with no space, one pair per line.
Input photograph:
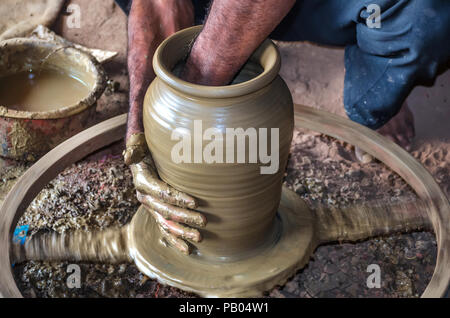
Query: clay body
[239,202]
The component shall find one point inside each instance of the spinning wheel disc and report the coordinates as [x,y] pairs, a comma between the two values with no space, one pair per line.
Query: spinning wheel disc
[290,248]
[103,134]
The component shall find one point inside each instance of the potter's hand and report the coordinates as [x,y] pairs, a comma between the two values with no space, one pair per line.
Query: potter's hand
[168,206]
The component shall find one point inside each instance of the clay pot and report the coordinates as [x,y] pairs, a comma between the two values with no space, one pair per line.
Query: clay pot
[26,135]
[239,202]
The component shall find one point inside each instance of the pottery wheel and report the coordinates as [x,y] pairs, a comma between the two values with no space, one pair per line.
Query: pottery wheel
[290,250]
[92,139]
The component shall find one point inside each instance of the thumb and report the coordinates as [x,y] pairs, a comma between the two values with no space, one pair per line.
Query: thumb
[136,149]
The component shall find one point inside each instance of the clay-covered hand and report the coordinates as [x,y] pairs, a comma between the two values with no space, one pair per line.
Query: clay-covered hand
[172,209]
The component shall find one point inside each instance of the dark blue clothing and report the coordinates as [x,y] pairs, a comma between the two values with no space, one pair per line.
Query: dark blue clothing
[200,7]
[382,64]
[125,5]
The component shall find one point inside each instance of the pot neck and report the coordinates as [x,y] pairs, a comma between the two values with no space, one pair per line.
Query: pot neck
[175,49]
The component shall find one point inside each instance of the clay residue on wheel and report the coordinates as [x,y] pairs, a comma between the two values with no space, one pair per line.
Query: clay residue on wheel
[337,270]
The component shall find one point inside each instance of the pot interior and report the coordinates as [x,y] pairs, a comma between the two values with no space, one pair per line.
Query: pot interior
[260,70]
[249,71]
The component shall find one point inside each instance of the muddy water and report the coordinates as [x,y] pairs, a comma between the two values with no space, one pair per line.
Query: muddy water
[41,90]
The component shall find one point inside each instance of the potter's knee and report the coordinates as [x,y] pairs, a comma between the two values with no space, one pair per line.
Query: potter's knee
[412,34]
[373,118]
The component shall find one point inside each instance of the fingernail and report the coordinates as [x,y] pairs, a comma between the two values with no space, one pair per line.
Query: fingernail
[139,196]
[190,203]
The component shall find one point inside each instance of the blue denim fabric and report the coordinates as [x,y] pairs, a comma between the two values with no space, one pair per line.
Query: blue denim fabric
[382,64]
[125,5]
[200,7]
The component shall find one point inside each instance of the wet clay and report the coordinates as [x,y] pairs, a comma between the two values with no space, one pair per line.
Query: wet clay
[300,230]
[289,247]
[353,223]
[41,90]
[239,202]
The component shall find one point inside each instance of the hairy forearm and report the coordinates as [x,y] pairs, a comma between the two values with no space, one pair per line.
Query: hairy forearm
[150,22]
[141,45]
[233,30]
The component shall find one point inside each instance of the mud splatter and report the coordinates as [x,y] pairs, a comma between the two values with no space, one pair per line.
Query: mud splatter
[10,172]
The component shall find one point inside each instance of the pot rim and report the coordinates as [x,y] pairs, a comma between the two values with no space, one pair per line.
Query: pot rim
[267,55]
[94,93]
